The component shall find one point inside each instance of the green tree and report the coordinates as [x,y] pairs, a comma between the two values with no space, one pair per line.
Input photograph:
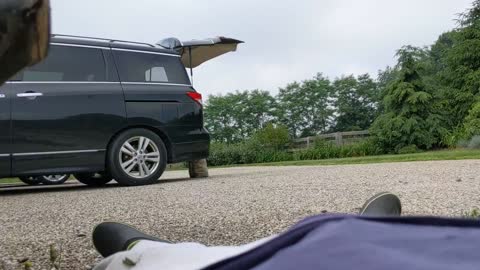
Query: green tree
[274,137]
[220,120]
[237,116]
[384,79]
[356,102]
[425,69]
[410,117]
[305,108]
[458,61]
[440,49]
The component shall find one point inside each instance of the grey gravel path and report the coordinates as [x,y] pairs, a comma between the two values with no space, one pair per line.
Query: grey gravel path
[234,206]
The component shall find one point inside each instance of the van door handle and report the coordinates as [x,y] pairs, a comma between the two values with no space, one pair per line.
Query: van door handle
[30,94]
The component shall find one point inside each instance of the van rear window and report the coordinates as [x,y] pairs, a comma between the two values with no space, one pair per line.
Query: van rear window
[150,68]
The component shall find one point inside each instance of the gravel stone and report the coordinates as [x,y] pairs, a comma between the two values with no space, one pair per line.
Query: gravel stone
[232,206]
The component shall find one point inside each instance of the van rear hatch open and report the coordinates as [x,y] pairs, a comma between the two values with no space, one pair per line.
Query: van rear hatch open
[196,52]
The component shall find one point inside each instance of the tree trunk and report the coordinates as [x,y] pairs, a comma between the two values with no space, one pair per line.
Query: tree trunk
[198,168]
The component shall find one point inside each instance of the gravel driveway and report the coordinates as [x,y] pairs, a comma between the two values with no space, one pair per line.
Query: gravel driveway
[233,206]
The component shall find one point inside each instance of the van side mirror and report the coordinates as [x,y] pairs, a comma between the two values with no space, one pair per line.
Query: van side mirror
[24,34]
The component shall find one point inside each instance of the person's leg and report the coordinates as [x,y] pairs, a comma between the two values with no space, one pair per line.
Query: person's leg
[110,237]
[151,254]
[124,246]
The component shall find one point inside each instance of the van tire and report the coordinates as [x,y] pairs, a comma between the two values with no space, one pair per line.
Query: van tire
[55,180]
[151,158]
[93,179]
[30,180]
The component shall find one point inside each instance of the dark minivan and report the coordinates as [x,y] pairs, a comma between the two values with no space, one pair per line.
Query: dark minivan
[106,109]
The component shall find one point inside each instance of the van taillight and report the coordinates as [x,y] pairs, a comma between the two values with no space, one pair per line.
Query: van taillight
[196,97]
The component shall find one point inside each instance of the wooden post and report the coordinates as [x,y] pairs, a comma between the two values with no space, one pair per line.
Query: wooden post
[198,168]
[308,142]
[339,138]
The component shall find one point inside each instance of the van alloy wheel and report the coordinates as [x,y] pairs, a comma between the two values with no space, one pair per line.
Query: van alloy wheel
[54,179]
[139,157]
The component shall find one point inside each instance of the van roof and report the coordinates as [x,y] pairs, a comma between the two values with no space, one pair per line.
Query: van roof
[109,43]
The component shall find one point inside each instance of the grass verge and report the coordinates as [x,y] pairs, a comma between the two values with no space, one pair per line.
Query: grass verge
[462,154]
[10,181]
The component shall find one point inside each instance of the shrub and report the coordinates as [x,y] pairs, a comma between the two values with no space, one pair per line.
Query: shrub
[273,156]
[225,154]
[360,149]
[327,150]
[249,152]
[455,138]
[411,149]
[252,151]
[218,155]
[273,137]
[471,125]
[465,134]
[474,143]
[370,148]
[463,143]
[315,153]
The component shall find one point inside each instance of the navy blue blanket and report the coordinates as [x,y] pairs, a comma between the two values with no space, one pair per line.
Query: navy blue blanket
[357,242]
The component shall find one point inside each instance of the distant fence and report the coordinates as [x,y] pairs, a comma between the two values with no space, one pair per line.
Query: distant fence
[340,138]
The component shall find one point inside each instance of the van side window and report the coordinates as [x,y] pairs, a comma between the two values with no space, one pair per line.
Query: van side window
[68,64]
[150,68]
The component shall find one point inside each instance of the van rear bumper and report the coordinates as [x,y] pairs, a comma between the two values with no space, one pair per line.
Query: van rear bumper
[190,151]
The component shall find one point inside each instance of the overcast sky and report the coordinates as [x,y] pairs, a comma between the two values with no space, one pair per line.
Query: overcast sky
[286,40]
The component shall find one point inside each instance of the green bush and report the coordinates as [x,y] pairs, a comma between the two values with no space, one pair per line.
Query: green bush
[273,137]
[217,155]
[474,143]
[226,154]
[411,149]
[328,150]
[455,139]
[252,151]
[249,152]
[463,135]
[471,126]
[325,149]
[463,143]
